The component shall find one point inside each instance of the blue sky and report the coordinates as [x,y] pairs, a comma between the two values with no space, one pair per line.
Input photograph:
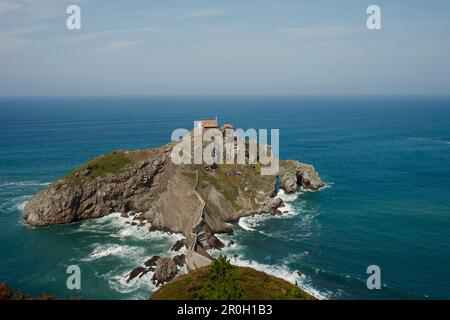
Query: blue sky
[224,47]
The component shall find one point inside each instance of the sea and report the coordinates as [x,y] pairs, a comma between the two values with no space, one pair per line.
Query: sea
[385,161]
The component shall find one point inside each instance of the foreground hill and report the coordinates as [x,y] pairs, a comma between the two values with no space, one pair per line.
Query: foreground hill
[223,281]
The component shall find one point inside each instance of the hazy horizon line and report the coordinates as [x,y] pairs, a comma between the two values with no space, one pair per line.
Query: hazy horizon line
[220,95]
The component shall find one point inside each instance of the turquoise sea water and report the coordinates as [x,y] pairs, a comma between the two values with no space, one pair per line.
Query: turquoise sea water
[386,162]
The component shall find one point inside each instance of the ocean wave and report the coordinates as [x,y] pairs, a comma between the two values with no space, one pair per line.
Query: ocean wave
[24,184]
[17,203]
[118,282]
[131,254]
[122,251]
[287,197]
[120,227]
[22,205]
[141,286]
[247,223]
[236,248]
[289,210]
[327,185]
[14,204]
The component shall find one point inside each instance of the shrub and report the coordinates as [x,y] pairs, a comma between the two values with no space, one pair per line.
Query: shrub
[222,283]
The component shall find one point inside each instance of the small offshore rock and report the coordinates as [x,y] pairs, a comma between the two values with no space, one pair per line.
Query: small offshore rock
[215,243]
[179,260]
[166,270]
[178,245]
[139,271]
[152,261]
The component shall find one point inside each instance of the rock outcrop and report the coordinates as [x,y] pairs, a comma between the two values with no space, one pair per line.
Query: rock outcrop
[152,261]
[140,271]
[168,196]
[166,269]
[179,260]
[293,174]
[178,245]
[129,186]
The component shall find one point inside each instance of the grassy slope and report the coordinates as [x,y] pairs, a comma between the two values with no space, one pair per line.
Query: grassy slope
[239,283]
[232,185]
[100,166]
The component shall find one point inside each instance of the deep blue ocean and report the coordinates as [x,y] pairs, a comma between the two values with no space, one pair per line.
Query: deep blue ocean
[385,160]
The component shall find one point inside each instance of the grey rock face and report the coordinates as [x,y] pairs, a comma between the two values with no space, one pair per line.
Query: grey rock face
[293,174]
[272,205]
[179,260]
[178,245]
[152,261]
[308,177]
[151,189]
[166,269]
[288,180]
[67,201]
[140,271]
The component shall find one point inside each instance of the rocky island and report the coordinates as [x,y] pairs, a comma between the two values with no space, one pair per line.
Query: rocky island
[195,200]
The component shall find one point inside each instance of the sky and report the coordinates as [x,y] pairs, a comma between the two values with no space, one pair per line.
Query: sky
[173,47]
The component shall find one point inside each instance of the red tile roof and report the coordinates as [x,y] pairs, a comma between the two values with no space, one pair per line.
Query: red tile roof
[209,123]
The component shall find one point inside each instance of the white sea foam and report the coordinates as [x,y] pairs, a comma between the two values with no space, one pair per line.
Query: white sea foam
[120,227]
[24,184]
[143,286]
[14,204]
[118,230]
[287,197]
[246,223]
[22,205]
[122,251]
[118,282]
[288,208]
[250,223]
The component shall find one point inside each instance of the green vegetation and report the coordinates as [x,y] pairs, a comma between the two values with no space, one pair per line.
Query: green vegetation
[223,284]
[232,179]
[226,184]
[100,166]
[223,281]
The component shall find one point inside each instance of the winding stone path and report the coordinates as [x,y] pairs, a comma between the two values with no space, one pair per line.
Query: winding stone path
[194,259]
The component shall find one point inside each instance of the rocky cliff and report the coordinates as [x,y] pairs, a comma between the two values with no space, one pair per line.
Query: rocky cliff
[166,196]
